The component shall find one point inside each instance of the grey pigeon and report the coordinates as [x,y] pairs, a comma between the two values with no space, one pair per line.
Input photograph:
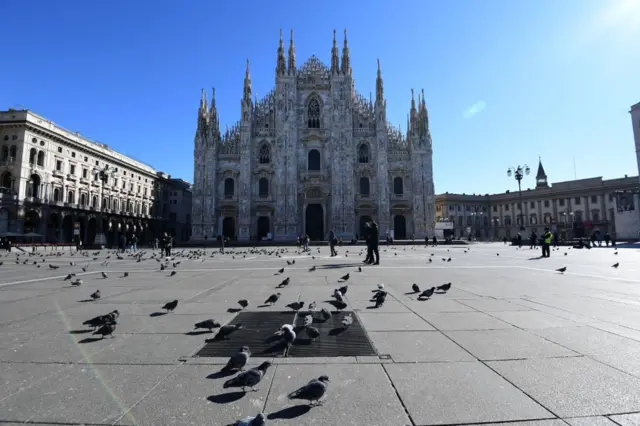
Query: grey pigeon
[338,295]
[345,278]
[326,315]
[343,289]
[95,295]
[380,298]
[107,329]
[125,275]
[296,306]
[258,420]
[444,287]
[312,332]
[308,320]
[173,273]
[226,330]
[312,306]
[243,303]
[561,270]
[68,277]
[280,270]
[238,360]
[415,288]
[249,378]
[104,275]
[272,299]
[427,293]
[313,391]
[347,321]
[76,283]
[208,324]
[171,306]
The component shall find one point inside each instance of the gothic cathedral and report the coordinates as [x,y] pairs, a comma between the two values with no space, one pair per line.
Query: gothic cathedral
[312,156]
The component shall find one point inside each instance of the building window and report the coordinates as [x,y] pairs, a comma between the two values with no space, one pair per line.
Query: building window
[506,207]
[507,221]
[546,203]
[263,187]
[532,205]
[71,197]
[533,219]
[33,154]
[72,169]
[595,215]
[460,220]
[364,186]
[313,112]
[41,158]
[56,195]
[94,202]
[73,154]
[83,199]
[314,160]
[561,202]
[398,186]
[547,219]
[594,199]
[86,158]
[265,156]
[5,153]
[229,188]
[85,173]
[495,209]
[576,200]
[5,182]
[60,149]
[59,165]
[363,154]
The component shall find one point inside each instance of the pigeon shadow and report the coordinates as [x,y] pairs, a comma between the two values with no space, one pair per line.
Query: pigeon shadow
[197,332]
[535,258]
[233,310]
[221,374]
[266,305]
[290,412]
[157,314]
[372,307]
[440,292]
[90,340]
[85,300]
[422,299]
[226,398]
[80,331]
[336,266]
[302,341]
[336,331]
[411,292]
[278,347]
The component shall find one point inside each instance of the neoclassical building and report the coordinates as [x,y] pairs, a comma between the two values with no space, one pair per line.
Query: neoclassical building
[65,187]
[311,156]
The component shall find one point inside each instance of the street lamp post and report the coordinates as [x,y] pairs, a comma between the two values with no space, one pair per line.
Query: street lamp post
[103,175]
[519,173]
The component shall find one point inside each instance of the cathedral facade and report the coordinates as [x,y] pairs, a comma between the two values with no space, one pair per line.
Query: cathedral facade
[312,156]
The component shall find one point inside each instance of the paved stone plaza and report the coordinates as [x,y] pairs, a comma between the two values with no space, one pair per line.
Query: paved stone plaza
[512,341]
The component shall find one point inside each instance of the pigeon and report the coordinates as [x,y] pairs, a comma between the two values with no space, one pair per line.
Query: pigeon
[313,391]
[427,293]
[347,321]
[95,295]
[248,378]
[104,275]
[76,283]
[53,266]
[326,315]
[380,297]
[281,270]
[615,265]
[243,303]
[238,360]
[171,306]
[345,278]
[430,260]
[208,324]
[258,420]
[561,270]
[308,320]
[338,295]
[284,282]
[312,332]
[226,330]
[359,268]
[288,335]
[338,304]
[173,273]
[415,288]
[107,329]
[296,306]
[449,260]
[312,306]
[125,275]
[444,287]
[313,268]
[68,277]
[343,289]
[272,299]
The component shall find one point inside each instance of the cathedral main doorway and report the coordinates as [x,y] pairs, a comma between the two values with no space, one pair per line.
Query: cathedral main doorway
[399,227]
[314,221]
[229,228]
[263,227]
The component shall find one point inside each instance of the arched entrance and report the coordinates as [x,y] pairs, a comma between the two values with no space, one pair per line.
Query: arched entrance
[263,227]
[4,221]
[52,227]
[363,222]
[93,230]
[399,227]
[229,227]
[31,222]
[67,229]
[314,221]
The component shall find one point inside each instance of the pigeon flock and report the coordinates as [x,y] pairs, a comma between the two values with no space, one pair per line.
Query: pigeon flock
[245,378]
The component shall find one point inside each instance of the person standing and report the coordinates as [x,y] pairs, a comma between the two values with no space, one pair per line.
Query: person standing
[222,244]
[332,243]
[546,243]
[375,240]
[534,240]
[367,240]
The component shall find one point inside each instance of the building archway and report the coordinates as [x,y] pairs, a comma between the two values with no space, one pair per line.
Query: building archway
[399,227]
[4,221]
[53,224]
[314,221]
[33,189]
[31,222]
[92,231]
[67,229]
[263,227]
[229,227]
[363,222]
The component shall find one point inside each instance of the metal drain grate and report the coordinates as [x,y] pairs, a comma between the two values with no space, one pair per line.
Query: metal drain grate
[334,341]
[260,326]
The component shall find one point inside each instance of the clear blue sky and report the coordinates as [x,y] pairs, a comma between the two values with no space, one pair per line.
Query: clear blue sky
[556,78]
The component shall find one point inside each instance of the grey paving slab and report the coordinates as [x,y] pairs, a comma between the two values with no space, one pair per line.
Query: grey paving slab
[437,305]
[493,305]
[9,295]
[465,321]
[16,377]
[627,419]
[155,296]
[555,422]
[590,341]
[346,402]
[507,344]
[418,346]
[431,391]
[389,306]
[381,321]
[147,349]
[572,387]
[189,397]
[533,319]
[590,421]
[84,394]
[533,305]
[629,333]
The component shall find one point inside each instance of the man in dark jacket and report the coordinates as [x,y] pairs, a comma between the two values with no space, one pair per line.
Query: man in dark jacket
[367,240]
[332,243]
[374,241]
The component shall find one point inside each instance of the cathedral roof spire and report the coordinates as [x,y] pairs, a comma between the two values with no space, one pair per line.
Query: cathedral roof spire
[281,67]
[346,61]
[247,85]
[292,56]
[541,176]
[213,114]
[379,85]
[335,62]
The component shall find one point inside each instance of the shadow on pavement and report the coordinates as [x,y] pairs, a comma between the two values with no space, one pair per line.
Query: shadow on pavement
[226,398]
[290,412]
